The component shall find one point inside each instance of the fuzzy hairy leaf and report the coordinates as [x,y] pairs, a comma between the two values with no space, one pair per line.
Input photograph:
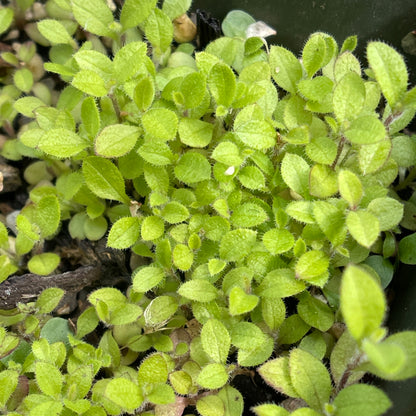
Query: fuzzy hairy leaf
[389,69]
[104,179]
[116,140]
[61,143]
[362,302]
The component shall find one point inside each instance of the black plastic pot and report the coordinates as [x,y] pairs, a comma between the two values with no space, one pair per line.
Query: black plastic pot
[295,20]
[386,20]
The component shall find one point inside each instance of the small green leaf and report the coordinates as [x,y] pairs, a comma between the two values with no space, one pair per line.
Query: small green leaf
[221,83]
[301,211]
[314,53]
[55,32]
[156,152]
[240,302]
[6,18]
[124,233]
[386,357]
[61,143]
[128,60]
[48,300]
[27,105]
[388,211]
[216,340]
[315,312]
[312,264]
[96,17]
[23,79]
[49,379]
[183,257]
[90,116]
[47,215]
[362,302]
[285,68]
[349,96]
[257,134]
[278,241]
[147,278]
[159,30]
[276,374]
[251,177]
[116,140]
[195,133]
[8,382]
[43,264]
[124,393]
[322,181]
[174,212]
[90,82]
[152,125]
[135,12]
[212,376]
[192,167]
[322,150]
[389,69]
[363,226]
[280,283]
[350,187]
[361,399]
[210,405]
[310,378]
[295,172]
[144,93]
[236,244]
[248,215]
[152,228]
[331,220]
[366,130]
[104,179]
[198,290]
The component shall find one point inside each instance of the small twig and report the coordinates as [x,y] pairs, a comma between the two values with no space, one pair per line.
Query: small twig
[26,288]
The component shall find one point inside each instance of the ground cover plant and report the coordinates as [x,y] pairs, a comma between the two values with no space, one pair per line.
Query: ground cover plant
[261,202]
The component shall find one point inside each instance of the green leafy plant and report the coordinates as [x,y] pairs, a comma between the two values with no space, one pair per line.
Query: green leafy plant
[267,195]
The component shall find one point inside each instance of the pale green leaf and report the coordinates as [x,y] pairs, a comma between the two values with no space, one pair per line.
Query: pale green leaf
[216,340]
[310,378]
[124,233]
[55,32]
[362,302]
[104,179]
[116,140]
[198,290]
[221,82]
[49,379]
[147,278]
[257,134]
[389,69]
[90,82]
[124,393]
[363,226]
[350,187]
[236,244]
[361,399]
[94,16]
[285,68]
[43,264]
[295,172]
[135,12]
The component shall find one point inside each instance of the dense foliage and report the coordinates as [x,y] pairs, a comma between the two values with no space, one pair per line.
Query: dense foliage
[265,193]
